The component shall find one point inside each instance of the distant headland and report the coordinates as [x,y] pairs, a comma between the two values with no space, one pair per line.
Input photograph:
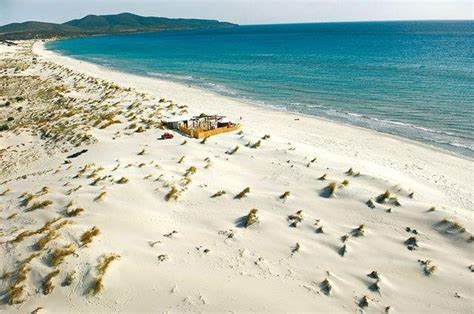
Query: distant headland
[102,24]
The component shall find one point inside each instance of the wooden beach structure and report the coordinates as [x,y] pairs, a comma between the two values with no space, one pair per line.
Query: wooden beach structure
[201,126]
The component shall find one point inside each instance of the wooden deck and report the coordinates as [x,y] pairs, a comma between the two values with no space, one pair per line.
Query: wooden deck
[202,133]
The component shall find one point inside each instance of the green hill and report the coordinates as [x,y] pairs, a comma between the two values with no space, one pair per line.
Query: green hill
[102,24]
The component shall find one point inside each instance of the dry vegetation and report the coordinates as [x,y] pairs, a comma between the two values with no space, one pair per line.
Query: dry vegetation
[100,196]
[428,267]
[285,195]
[252,218]
[75,212]
[50,236]
[58,255]
[295,219]
[102,267]
[86,237]
[243,193]
[16,290]
[329,190]
[122,180]
[218,193]
[172,195]
[38,205]
[48,282]
[233,151]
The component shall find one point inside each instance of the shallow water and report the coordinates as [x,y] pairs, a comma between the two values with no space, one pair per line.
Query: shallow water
[412,79]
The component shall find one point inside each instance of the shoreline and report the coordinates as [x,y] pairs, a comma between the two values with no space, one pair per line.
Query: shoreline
[288,214]
[40,49]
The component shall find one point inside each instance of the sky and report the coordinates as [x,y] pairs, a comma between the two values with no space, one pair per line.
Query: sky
[242,11]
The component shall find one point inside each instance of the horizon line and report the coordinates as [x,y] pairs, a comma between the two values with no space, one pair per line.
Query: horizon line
[270,23]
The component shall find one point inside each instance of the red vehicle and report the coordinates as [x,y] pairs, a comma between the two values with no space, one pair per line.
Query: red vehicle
[167,136]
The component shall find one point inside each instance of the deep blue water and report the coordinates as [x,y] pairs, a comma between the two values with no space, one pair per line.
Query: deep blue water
[412,79]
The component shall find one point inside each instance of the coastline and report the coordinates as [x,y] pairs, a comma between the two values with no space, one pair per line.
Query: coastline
[102,72]
[199,100]
[161,225]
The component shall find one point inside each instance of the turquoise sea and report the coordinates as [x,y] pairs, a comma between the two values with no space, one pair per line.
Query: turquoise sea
[411,79]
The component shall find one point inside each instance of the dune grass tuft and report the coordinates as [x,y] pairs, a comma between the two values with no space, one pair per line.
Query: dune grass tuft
[364,302]
[12,216]
[252,218]
[233,151]
[42,242]
[256,144]
[26,199]
[243,193]
[58,255]
[100,196]
[44,190]
[86,237]
[97,180]
[122,180]
[187,180]
[70,276]
[48,282]
[359,231]
[411,243]
[326,287]
[343,250]
[62,224]
[190,170]
[21,236]
[295,219]
[296,248]
[172,195]
[219,193]
[75,212]
[329,190]
[370,203]
[102,267]
[323,177]
[383,197]
[38,205]
[285,195]
[374,275]
[428,267]
[70,191]
[105,263]
[15,292]
[450,227]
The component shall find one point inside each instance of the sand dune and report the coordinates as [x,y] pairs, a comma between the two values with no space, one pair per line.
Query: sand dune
[317,217]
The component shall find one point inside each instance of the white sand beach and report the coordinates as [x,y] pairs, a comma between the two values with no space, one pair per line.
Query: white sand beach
[144,253]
